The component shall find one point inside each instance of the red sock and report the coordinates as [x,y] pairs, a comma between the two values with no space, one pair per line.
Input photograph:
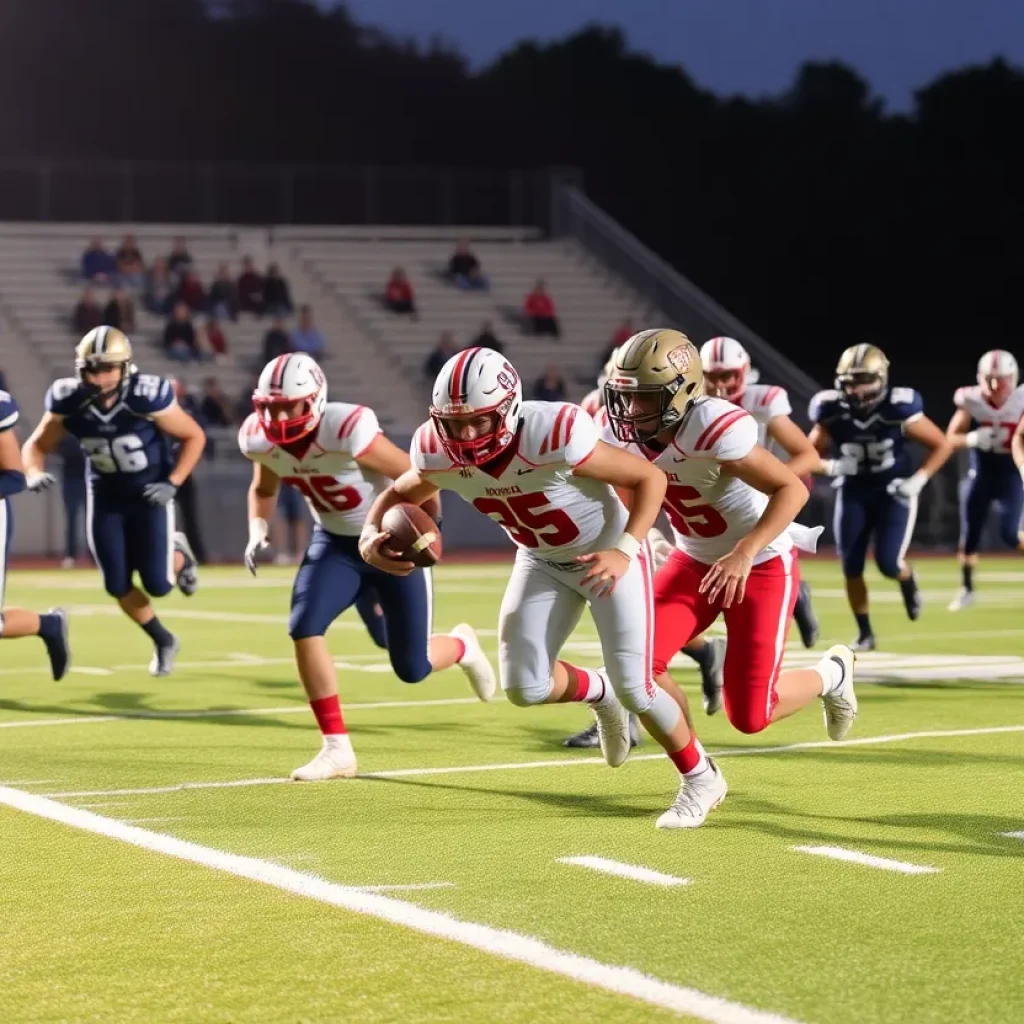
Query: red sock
[328,715]
[690,759]
[462,649]
[584,684]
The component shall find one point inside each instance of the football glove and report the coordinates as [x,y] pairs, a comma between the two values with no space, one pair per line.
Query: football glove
[845,465]
[258,531]
[911,487]
[660,547]
[161,493]
[984,439]
[39,481]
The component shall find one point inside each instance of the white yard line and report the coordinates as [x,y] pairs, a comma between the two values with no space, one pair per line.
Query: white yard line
[505,944]
[867,860]
[414,887]
[1013,835]
[631,871]
[565,762]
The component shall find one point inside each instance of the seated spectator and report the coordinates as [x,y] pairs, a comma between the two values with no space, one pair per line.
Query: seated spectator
[550,387]
[440,355]
[212,339]
[307,337]
[158,296]
[223,295]
[191,291]
[398,293]
[180,341]
[97,264]
[87,313]
[215,408]
[464,267]
[488,339]
[539,309]
[250,288]
[243,407]
[120,311]
[185,399]
[277,341]
[622,334]
[131,271]
[180,259]
[277,296]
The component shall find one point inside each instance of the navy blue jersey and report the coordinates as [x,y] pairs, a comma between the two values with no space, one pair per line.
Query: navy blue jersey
[877,441]
[8,411]
[125,447]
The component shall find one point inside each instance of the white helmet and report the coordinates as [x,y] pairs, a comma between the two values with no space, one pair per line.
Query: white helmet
[290,381]
[726,368]
[476,384]
[997,374]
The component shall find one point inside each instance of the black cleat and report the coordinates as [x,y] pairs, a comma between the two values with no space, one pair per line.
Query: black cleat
[912,600]
[711,680]
[58,645]
[803,613]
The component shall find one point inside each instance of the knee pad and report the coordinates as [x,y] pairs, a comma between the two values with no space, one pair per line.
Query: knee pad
[525,692]
[158,588]
[659,707]
[889,567]
[302,624]
[411,669]
[745,717]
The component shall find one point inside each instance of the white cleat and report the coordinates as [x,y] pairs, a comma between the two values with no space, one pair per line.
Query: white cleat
[188,574]
[840,706]
[964,599]
[612,728]
[479,671]
[698,796]
[333,762]
[162,662]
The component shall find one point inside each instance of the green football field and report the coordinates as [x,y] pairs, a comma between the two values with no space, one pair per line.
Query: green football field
[157,866]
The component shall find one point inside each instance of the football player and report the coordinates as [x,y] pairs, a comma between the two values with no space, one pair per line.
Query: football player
[731,504]
[541,472]
[726,375]
[987,415]
[51,627]
[125,421]
[336,456]
[868,424]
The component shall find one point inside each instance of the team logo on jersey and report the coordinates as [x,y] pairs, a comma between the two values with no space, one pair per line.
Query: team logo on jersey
[679,359]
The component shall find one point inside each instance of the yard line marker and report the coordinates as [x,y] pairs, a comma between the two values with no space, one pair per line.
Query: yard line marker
[565,762]
[507,945]
[867,860]
[1013,835]
[139,821]
[620,870]
[89,670]
[414,887]
[27,782]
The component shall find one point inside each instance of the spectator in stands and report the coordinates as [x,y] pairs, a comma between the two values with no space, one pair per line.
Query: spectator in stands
[223,297]
[250,288]
[87,313]
[97,264]
[307,337]
[131,271]
[212,339]
[159,294]
[72,487]
[120,311]
[622,334]
[539,309]
[215,408]
[277,296]
[277,341]
[191,291]
[551,387]
[440,355]
[398,293]
[488,339]
[243,407]
[180,259]
[464,267]
[180,341]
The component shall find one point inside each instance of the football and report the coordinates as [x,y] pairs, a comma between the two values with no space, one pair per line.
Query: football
[414,535]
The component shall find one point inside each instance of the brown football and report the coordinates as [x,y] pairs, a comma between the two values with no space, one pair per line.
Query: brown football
[414,536]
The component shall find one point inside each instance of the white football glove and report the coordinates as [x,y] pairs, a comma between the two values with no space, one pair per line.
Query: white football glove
[660,547]
[39,481]
[911,487]
[984,439]
[258,531]
[845,465]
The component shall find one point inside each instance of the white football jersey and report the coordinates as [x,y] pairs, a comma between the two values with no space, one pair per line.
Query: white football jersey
[593,401]
[764,402]
[709,511]
[534,496]
[337,489]
[1004,419]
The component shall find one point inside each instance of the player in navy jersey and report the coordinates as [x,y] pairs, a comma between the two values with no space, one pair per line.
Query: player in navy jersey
[51,627]
[987,415]
[868,424]
[125,422]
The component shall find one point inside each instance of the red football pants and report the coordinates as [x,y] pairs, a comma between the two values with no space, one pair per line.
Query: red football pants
[757,628]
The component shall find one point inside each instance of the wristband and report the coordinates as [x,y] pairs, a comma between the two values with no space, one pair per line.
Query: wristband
[971,439]
[258,530]
[920,478]
[828,467]
[628,545]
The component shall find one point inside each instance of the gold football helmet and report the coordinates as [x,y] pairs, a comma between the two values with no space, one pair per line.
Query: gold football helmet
[655,378]
[104,348]
[862,376]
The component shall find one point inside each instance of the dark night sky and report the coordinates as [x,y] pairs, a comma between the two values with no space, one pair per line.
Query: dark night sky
[748,46]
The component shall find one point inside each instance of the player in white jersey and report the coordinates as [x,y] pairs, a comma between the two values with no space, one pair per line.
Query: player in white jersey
[540,471]
[336,456]
[727,374]
[731,504]
[987,416]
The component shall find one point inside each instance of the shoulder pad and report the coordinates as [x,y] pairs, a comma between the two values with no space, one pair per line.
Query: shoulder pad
[717,429]
[251,439]
[906,402]
[556,432]
[148,394]
[347,428]
[825,405]
[425,451]
[64,396]
[8,411]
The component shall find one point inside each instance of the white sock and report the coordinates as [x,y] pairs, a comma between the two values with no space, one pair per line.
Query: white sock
[832,674]
[339,743]
[599,687]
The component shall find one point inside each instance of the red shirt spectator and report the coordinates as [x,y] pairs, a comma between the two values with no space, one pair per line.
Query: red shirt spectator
[191,292]
[250,288]
[539,308]
[398,293]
